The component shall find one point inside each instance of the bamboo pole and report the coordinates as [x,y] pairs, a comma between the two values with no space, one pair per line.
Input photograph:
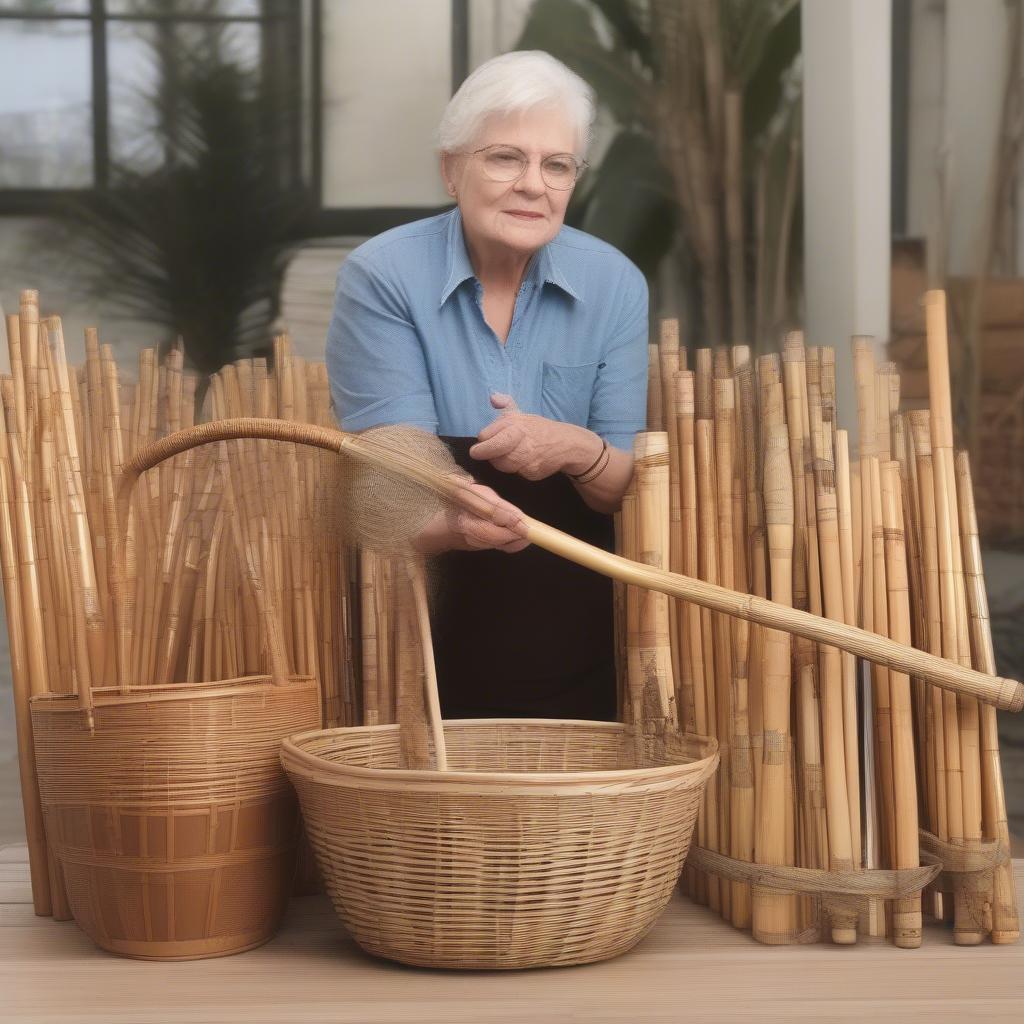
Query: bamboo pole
[741,781]
[906,912]
[965,930]
[22,691]
[691,631]
[1005,919]
[840,843]
[774,914]
[652,475]
[851,736]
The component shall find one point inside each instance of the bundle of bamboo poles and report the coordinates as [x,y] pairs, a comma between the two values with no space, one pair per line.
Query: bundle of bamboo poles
[830,770]
[222,547]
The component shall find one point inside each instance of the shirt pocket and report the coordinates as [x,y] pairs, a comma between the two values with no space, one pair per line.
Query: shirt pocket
[567,390]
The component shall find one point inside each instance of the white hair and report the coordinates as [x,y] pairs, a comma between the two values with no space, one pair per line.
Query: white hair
[512,82]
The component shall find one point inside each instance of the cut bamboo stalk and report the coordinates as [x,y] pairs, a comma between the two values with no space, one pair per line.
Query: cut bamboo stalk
[693,651]
[754,542]
[655,394]
[740,781]
[849,662]
[774,914]
[815,851]
[880,688]
[707,560]
[920,426]
[687,615]
[669,355]
[906,912]
[1005,919]
[840,841]
[22,691]
[368,611]
[715,638]
[652,475]
[864,379]
[965,931]
[631,549]
[422,610]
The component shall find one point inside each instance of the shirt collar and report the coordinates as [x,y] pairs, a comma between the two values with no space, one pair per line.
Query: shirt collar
[544,267]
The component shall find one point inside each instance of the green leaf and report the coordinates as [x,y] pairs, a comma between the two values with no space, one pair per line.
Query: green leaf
[565,29]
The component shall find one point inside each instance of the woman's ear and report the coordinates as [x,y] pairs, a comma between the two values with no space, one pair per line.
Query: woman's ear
[448,172]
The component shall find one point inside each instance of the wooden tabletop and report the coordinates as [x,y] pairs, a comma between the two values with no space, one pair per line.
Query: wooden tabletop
[692,967]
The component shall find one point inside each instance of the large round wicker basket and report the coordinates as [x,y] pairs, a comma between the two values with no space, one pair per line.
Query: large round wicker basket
[546,843]
[173,823]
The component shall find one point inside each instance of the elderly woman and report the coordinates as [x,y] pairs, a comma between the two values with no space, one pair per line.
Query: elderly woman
[523,343]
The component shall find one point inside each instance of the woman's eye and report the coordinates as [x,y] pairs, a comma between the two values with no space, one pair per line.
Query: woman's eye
[560,167]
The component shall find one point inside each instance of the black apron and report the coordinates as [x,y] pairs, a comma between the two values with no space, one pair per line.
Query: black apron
[528,635]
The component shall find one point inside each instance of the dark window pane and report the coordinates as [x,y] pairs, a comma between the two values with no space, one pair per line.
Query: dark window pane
[45,6]
[183,8]
[45,104]
[146,61]
[134,77]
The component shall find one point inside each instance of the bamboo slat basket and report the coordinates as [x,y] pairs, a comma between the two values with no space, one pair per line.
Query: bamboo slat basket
[546,843]
[166,805]
[173,824]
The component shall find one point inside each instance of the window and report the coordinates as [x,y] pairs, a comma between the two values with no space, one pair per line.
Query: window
[75,76]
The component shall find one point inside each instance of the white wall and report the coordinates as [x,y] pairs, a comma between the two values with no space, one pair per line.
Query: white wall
[387,78]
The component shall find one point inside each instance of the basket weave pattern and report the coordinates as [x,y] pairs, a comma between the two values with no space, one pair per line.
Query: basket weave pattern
[173,824]
[546,843]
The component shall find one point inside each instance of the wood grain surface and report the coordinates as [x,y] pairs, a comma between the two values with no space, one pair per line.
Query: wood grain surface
[692,967]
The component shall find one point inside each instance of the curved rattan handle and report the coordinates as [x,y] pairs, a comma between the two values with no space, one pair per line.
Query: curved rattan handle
[148,458]
[1006,694]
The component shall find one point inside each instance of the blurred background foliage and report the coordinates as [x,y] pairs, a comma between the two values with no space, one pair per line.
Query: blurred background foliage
[197,224]
[699,177]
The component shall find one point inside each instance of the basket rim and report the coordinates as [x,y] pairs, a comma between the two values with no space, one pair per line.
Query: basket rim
[295,757]
[113,696]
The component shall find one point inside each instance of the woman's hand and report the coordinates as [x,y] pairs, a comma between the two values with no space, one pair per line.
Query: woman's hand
[534,446]
[458,529]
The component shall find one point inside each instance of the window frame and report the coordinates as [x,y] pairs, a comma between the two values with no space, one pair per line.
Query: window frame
[306,148]
[42,201]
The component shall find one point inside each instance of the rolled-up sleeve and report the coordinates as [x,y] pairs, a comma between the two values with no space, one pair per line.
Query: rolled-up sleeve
[618,405]
[374,355]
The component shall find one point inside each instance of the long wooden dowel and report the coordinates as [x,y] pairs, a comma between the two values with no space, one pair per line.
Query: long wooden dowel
[1005,694]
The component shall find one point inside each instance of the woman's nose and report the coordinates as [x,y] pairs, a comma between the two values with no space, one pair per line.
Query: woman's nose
[531,181]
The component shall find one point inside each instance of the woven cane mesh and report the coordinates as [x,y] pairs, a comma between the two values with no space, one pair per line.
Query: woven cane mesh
[569,860]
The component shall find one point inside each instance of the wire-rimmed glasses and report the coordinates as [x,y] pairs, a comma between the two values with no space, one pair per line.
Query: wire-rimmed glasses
[559,171]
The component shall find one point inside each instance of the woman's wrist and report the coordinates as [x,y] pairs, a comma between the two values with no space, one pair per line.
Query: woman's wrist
[586,450]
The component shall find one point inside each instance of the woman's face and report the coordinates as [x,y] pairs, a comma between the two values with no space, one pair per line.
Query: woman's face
[520,215]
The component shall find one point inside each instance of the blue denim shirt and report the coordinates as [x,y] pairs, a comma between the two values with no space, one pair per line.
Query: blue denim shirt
[408,342]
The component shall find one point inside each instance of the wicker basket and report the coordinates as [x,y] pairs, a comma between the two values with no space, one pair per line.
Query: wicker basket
[546,844]
[174,826]
[166,806]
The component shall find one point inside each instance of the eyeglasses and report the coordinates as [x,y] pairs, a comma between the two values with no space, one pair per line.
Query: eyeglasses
[506,163]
